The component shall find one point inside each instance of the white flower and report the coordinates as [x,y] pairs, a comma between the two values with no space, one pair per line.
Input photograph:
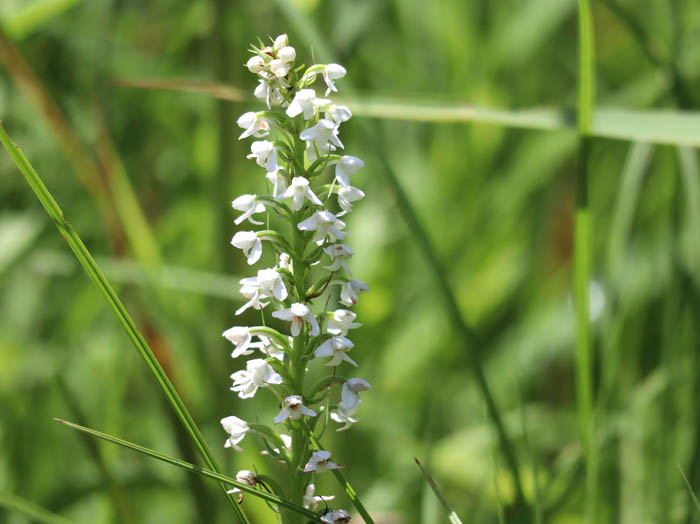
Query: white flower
[265,155]
[338,254]
[249,205]
[285,261]
[337,348]
[240,337]
[337,516]
[279,67]
[288,54]
[343,415]
[346,196]
[280,42]
[341,321]
[350,290]
[323,136]
[305,102]
[268,93]
[294,408]
[349,395]
[298,313]
[338,114]
[297,191]
[324,223]
[312,501]
[253,296]
[347,165]
[320,462]
[350,403]
[245,476]
[268,283]
[236,428]
[332,72]
[258,374]
[253,124]
[278,181]
[251,245]
[255,64]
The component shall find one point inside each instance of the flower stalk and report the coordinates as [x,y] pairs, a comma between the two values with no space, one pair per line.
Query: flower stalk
[308,183]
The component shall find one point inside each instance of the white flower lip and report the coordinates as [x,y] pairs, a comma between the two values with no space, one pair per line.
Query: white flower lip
[337,348]
[294,408]
[298,191]
[258,374]
[320,462]
[251,245]
[297,314]
[237,429]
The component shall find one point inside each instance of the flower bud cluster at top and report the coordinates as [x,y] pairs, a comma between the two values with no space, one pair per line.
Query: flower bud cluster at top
[297,145]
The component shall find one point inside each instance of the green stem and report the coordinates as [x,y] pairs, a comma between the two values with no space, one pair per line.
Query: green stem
[583,253]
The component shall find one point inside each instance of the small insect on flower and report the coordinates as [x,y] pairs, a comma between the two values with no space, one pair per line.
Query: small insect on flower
[247,477]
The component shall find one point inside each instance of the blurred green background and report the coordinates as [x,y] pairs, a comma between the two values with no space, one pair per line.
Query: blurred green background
[496,202]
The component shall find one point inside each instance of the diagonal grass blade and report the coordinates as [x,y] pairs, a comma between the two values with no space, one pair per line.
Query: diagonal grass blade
[223,479]
[38,514]
[451,515]
[96,275]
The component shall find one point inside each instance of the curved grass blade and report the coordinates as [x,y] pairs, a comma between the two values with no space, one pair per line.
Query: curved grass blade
[657,126]
[222,479]
[451,515]
[38,514]
[32,15]
[96,275]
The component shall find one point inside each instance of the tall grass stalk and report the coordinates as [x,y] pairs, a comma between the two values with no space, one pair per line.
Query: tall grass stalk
[583,252]
[38,514]
[96,275]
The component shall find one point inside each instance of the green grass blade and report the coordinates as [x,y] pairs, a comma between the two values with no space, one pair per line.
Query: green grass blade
[583,252]
[690,489]
[451,515]
[222,479]
[32,15]
[38,514]
[96,275]
[658,126]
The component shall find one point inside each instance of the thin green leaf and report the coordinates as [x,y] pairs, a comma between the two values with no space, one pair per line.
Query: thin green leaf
[33,14]
[222,479]
[658,126]
[583,251]
[96,275]
[38,514]
[451,515]
[690,488]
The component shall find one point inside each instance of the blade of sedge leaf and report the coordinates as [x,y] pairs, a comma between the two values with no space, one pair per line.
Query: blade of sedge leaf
[583,245]
[96,275]
[222,479]
[38,514]
[654,126]
[32,15]
[690,488]
[451,515]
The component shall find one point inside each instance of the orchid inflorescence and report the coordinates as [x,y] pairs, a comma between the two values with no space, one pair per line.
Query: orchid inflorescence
[300,143]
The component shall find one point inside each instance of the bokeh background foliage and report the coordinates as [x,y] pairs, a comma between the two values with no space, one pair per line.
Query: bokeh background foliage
[146,176]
